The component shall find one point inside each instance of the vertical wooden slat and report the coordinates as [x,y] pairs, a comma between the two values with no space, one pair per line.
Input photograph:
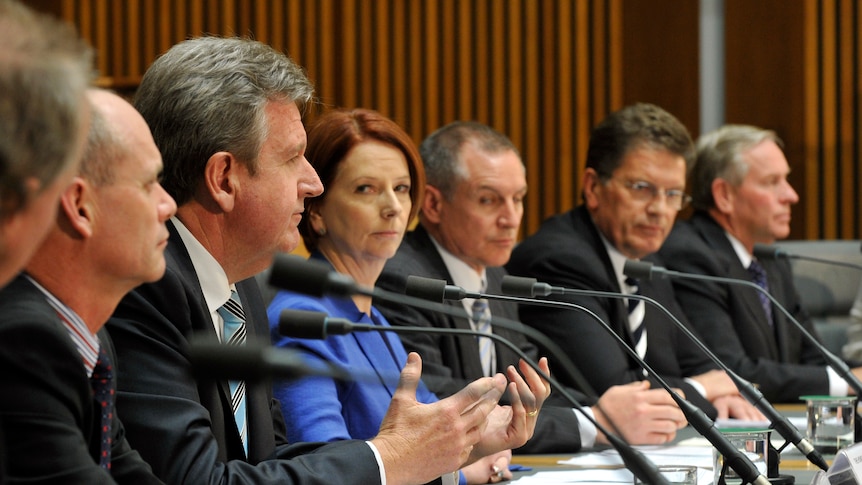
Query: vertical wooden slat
[482,62]
[615,49]
[515,94]
[449,38]
[382,66]
[848,215]
[464,80]
[399,98]
[547,103]
[812,86]
[828,122]
[431,100]
[583,118]
[418,81]
[500,54]
[563,94]
[532,87]
[327,58]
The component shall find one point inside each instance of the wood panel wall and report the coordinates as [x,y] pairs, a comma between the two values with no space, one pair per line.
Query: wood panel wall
[796,66]
[544,72]
[541,71]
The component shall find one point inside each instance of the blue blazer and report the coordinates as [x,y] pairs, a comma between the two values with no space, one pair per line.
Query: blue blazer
[322,409]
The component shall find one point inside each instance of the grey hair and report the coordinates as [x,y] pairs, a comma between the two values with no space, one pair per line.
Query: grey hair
[103,148]
[720,156]
[207,95]
[45,69]
[441,152]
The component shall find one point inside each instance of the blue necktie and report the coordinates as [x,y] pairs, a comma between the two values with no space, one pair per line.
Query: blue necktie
[234,334]
[758,276]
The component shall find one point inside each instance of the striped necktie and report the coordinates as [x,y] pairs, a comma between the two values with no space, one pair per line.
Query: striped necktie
[102,383]
[481,320]
[636,311]
[234,334]
[758,276]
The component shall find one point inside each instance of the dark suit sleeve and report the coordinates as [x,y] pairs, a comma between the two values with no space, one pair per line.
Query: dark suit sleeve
[47,409]
[718,312]
[184,440]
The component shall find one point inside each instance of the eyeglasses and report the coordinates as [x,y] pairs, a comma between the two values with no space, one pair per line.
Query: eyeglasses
[646,192]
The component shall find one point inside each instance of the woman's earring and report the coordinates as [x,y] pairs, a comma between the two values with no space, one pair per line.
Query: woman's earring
[321,231]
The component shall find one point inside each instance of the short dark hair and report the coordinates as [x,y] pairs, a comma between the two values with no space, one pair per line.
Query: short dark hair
[332,135]
[636,126]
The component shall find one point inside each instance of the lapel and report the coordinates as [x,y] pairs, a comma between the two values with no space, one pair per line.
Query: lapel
[375,346]
[715,237]
[468,352]
[619,312]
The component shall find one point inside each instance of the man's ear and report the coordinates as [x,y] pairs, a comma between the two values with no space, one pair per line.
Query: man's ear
[592,184]
[221,179]
[77,210]
[432,204]
[722,195]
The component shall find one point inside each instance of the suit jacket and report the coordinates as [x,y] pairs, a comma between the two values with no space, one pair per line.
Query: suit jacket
[567,251]
[183,425]
[731,320]
[47,410]
[323,409]
[449,361]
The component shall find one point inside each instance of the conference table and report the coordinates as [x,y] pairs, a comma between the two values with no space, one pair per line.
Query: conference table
[792,463]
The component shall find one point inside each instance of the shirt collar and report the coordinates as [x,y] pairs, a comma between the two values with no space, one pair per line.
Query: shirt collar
[211,275]
[462,274]
[618,262]
[85,341]
[740,250]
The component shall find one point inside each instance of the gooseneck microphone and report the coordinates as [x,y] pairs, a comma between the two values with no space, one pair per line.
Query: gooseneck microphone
[644,269]
[766,251]
[517,285]
[314,278]
[252,362]
[737,460]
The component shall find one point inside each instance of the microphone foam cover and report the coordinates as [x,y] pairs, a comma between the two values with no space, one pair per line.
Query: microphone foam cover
[426,288]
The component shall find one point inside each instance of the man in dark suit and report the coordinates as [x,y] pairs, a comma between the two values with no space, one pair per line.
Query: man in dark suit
[226,114]
[742,197]
[109,237]
[469,224]
[634,185]
[44,71]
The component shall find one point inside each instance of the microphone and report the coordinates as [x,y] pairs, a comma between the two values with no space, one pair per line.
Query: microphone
[529,287]
[766,251]
[698,419]
[254,362]
[311,277]
[645,269]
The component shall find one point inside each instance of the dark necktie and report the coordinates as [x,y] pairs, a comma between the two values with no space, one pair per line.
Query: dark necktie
[758,276]
[102,383]
[234,334]
[636,316]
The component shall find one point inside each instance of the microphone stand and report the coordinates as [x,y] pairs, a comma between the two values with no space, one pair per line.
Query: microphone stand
[298,274]
[779,422]
[647,269]
[766,251]
[698,419]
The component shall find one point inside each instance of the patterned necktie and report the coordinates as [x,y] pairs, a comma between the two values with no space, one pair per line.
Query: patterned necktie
[482,323]
[758,276]
[636,317]
[102,383]
[234,334]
